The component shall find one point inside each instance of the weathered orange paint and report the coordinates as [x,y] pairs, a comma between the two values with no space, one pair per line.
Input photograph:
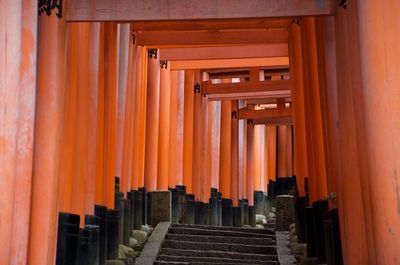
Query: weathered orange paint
[289,150]
[257,157]
[205,163]
[197,140]
[123,126]
[312,100]
[234,154]
[110,112]
[79,176]
[225,149]
[128,133]
[250,163]
[281,152]
[271,141]
[93,108]
[173,124]
[18,44]
[48,130]
[99,198]
[188,130]
[152,121]
[215,142]
[164,129]
[139,118]
[299,128]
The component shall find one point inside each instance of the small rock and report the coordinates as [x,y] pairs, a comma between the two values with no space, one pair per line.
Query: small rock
[292,227]
[260,226]
[260,219]
[139,235]
[265,221]
[133,243]
[271,215]
[127,255]
[148,229]
[293,239]
[292,234]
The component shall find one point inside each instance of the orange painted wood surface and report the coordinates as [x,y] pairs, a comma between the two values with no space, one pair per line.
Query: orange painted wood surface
[234,163]
[152,123]
[225,149]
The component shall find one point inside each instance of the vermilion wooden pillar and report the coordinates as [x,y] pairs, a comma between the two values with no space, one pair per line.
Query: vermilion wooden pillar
[271,140]
[197,138]
[176,128]
[299,127]
[215,142]
[129,117]
[139,117]
[48,129]
[289,151]
[257,157]
[205,153]
[152,121]
[312,100]
[69,120]
[188,130]
[18,44]
[225,149]
[379,39]
[79,176]
[110,111]
[235,152]
[250,161]
[94,130]
[123,125]
[123,61]
[354,205]
[164,127]
[281,151]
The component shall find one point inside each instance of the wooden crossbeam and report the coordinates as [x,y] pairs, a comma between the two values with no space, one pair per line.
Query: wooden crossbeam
[229,52]
[230,63]
[274,121]
[164,10]
[259,86]
[202,37]
[210,24]
[247,114]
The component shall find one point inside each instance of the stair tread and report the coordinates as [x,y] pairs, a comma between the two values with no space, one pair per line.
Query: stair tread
[211,260]
[200,231]
[216,254]
[228,228]
[264,241]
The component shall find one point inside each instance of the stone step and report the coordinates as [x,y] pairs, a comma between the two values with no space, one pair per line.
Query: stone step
[265,241]
[227,228]
[217,254]
[241,248]
[210,260]
[210,232]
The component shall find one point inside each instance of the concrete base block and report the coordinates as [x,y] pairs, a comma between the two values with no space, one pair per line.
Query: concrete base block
[284,212]
[161,207]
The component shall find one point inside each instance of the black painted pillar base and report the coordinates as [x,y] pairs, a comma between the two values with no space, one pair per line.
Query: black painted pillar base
[310,232]
[68,239]
[127,222]
[319,208]
[189,210]
[112,234]
[244,205]
[252,216]
[175,205]
[227,212]
[101,212]
[259,202]
[200,215]
[237,217]
[138,209]
[300,203]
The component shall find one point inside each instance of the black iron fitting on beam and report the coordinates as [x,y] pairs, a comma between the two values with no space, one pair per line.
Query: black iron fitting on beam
[152,53]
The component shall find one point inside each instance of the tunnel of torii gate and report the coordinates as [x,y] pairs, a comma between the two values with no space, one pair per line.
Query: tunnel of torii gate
[222,98]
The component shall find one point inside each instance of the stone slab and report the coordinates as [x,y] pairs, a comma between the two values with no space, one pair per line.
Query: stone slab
[284,212]
[161,207]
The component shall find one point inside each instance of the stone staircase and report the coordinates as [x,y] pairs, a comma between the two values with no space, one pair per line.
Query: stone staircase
[212,245]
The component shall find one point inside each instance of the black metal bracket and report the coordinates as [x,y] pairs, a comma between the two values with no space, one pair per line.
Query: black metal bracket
[343,3]
[197,88]
[47,6]
[296,22]
[152,53]
[234,114]
[133,38]
[163,64]
[250,122]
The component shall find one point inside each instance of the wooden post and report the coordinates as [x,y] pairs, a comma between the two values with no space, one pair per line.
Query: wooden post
[250,162]
[257,157]
[48,129]
[225,151]
[152,119]
[215,143]
[234,152]
[164,127]
[197,138]
[188,130]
